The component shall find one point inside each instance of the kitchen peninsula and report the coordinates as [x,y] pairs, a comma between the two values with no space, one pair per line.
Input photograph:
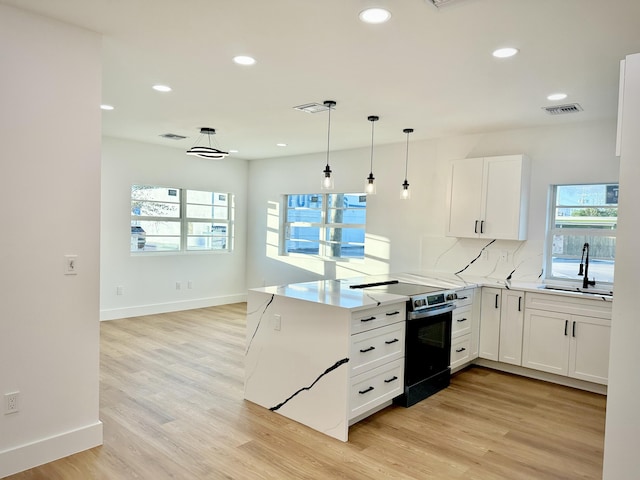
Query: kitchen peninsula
[299,358]
[327,355]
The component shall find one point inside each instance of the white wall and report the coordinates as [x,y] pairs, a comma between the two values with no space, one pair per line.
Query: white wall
[50,166]
[149,280]
[621,459]
[410,235]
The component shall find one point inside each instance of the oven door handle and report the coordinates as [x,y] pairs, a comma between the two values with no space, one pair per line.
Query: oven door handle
[431,312]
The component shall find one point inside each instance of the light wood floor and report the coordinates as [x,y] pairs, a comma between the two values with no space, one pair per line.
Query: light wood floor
[172,407]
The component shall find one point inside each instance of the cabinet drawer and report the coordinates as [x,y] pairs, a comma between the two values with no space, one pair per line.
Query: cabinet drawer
[562,303]
[377,317]
[375,387]
[460,351]
[375,347]
[461,324]
[465,297]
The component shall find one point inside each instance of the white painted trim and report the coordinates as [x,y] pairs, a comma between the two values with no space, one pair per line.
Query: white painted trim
[49,449]
[139,310]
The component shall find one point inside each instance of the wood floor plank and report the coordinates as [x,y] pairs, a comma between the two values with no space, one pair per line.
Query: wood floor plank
[172,407]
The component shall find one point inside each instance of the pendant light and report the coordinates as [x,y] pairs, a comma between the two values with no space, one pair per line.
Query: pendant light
[327,180]
[405,194]
[206,151]
[370,186]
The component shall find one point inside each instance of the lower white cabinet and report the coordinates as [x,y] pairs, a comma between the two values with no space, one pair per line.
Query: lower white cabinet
[567,343]
[464,329]
[511,325]
[376,357]
[490,323]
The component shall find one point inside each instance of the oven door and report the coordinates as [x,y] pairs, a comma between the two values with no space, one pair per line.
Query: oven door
[428,344]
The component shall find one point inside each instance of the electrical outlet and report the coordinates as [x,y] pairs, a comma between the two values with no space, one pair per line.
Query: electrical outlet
[178,285]
[11,402]
[189,284]
[119,290]
[484,255]
[277,322]
[504,255]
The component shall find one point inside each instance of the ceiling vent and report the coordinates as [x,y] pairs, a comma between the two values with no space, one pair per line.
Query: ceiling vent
[312,108]
[440,3]
[173,136]
[562,109]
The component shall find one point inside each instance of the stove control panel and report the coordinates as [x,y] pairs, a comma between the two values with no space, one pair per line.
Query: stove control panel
[420,302]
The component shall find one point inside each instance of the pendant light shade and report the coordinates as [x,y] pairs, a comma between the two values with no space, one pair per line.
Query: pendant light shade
[405,193]
[370,186]
[206,151]
[327,179]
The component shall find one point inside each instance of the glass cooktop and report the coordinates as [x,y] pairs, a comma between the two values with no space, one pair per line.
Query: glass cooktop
[398,288]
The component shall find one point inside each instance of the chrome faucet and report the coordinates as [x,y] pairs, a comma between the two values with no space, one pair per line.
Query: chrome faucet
[584,263]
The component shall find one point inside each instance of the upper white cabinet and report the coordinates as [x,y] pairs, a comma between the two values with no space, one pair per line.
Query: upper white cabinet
[488,197]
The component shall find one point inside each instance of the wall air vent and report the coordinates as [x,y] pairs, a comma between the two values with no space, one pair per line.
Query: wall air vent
[312,108]
[562,109]
[173,136]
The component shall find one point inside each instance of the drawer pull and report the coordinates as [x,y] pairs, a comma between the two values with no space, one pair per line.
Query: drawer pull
[389,342]
[367,319]
[362,392]
[462,320]
[392,379]
[393,313]
[367,349]
[459,350]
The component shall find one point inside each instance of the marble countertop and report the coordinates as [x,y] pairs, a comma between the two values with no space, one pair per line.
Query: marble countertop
[338,294]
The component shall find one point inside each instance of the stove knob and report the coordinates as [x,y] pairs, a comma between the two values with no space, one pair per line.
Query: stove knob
[452,296]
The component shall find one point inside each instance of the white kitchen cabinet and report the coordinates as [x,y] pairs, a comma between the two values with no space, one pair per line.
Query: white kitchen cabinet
[490,307]
[511,325]
[559,338]
[465,329]
[488,197]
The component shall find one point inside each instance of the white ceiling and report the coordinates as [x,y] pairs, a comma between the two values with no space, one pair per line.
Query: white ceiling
[427,68]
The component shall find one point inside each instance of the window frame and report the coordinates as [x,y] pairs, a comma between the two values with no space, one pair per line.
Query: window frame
[184,221]
[553,231]
[324,245]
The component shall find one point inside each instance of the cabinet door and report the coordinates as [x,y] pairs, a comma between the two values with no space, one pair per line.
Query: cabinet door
[545,342]
[511,325]
[490,323]
[465,193]
[589,350]
[505,197]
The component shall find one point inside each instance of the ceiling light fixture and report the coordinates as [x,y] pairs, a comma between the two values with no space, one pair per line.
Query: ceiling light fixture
[244,60]
[405,194]
[106,107]
[204,151]
[162,88]
[370,186]
[375,15]
[505,52]
[557,96]
[281,144]
[327,180]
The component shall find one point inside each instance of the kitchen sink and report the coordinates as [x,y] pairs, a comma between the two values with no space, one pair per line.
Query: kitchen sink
[600,292]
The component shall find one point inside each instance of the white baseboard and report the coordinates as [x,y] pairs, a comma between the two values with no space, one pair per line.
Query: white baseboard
[49,449]
[139,310]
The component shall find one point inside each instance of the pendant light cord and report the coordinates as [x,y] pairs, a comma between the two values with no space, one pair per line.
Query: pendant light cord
[371,167]
[406,160]
[328,135]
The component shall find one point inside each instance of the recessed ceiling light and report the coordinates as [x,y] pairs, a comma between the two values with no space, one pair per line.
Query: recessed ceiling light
[505,52]
[281,144]
[162,88]
[557,96]
[244,60]
[233,151]
[106,107]
[375,15]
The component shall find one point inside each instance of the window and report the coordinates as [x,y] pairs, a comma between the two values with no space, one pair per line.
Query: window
[328,225]
[166,219]
[582,214]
